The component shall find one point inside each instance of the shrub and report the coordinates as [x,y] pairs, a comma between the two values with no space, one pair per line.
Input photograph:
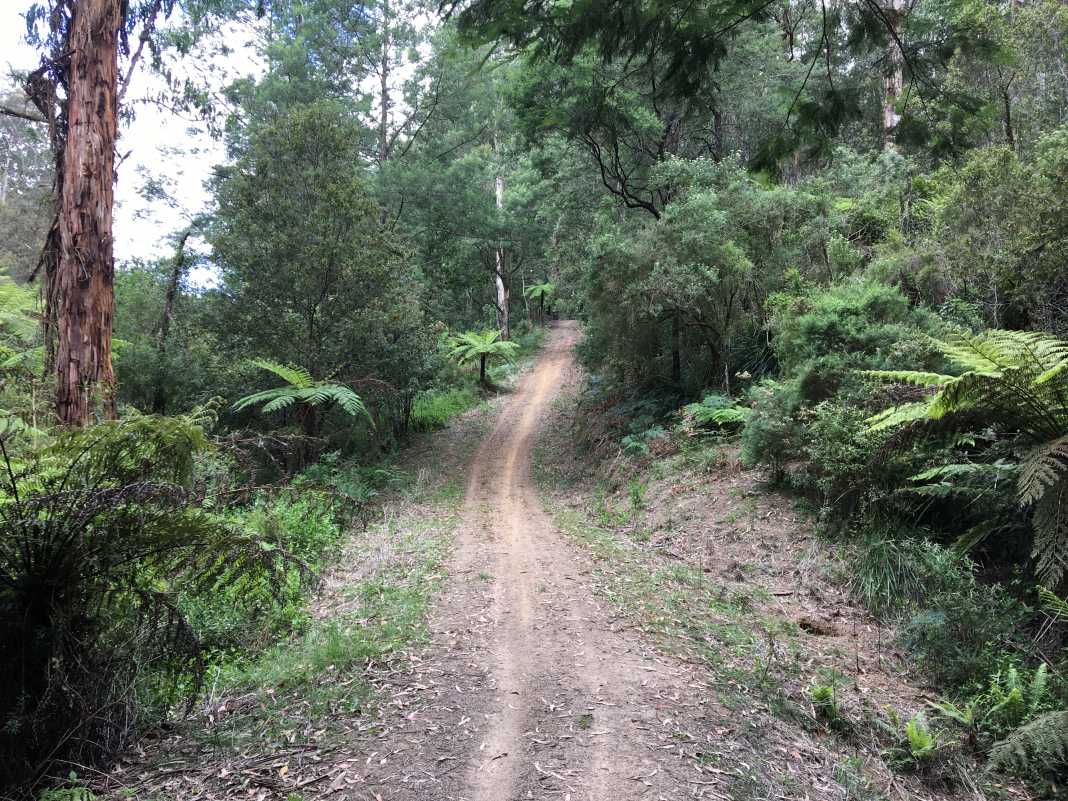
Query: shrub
[959,635]
[1037,751]
[772,435]
[98,537]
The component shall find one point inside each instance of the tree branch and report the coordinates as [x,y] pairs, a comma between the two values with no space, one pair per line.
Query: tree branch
[22,115]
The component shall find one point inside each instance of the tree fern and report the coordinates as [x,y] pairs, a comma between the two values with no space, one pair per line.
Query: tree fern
[101,541]
[481,346]
[542,293]
[1017,383]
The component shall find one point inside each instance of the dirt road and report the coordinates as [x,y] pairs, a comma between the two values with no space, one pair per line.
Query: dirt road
[571,706]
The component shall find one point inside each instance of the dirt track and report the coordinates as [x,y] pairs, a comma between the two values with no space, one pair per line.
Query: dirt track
[572,708]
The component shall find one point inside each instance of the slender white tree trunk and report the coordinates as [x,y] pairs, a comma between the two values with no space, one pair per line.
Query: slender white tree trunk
[498,270]
[894,79]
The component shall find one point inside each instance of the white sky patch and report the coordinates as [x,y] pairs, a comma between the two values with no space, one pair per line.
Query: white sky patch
[179,152]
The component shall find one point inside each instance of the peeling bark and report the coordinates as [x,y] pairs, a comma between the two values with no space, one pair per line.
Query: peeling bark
[81,290]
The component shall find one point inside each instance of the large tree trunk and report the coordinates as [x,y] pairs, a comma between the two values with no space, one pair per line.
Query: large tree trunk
[82,289]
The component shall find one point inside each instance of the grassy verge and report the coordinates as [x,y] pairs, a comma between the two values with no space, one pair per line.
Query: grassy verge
[686,612]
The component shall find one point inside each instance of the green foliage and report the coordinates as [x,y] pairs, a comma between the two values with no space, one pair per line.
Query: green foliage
[1037,750]
[922,743]
[958,634]
[481,347]
[543,293]
[1014,381]
[1013,697]
[889,574]
[100,540]
[302,389]
[309,275]
[436,408]
[825,702]
[714,410]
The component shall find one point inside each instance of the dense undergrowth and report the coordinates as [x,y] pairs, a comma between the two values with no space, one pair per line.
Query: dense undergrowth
[938,538]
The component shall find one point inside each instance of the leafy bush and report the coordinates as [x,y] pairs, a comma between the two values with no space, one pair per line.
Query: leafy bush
[954,625]
[1037,751]
[772,436]
[99,536]
[959,634]
[822,338]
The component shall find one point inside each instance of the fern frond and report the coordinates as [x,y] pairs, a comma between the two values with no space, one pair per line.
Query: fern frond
[1054,372]
[303,390]
[1042,469]
[1050,550]
[266,396]
[1036,690]
[1052,604]
[917,377]
[1040,746]
[897,415]
[283,399]
[294,376]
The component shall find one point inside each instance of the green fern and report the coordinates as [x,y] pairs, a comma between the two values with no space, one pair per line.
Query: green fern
[1016,382]
[1053,605]
[302,390]
[922,743]
[714,410]
[1036,748]
[481,346]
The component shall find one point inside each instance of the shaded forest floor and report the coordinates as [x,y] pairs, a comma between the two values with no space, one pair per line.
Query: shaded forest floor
[524,622]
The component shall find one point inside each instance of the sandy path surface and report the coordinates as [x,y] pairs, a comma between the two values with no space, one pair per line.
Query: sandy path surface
[572,707]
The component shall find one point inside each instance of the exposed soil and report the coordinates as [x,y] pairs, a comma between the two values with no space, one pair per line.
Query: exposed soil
[535,686]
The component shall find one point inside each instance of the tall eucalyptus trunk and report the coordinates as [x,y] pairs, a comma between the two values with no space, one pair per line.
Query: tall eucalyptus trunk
[81,291]
[385,44]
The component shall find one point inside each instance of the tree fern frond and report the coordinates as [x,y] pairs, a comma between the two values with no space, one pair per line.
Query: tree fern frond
[896,415]
[283,399]
[1054,372]
[255,398]
[1041,469]
[303,390]
[294,376]
[1039,747]
[916,377]
[1050,549]
[1052,604]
